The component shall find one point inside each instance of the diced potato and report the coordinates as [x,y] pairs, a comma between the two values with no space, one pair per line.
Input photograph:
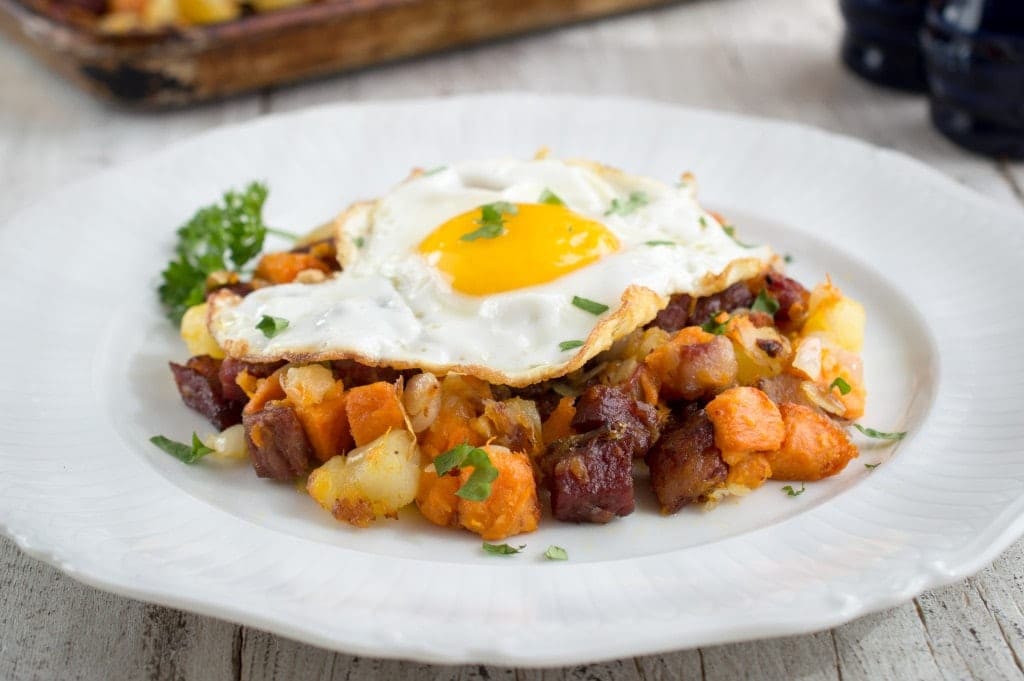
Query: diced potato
[209,11]
[158,13]
[196,335]
[307,385]
[761,352]
[373,481]
[229,444]
[839,318]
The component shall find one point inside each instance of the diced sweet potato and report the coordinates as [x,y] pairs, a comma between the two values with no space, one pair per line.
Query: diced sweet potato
[745,420]
[462,401]
[512,508]
[282,268]
[815,446]
[267,390]
[319,401]
[559,422]
[373,409]
[693,364]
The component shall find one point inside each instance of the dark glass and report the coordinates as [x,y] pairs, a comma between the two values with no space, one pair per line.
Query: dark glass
[974,51]
[881,41]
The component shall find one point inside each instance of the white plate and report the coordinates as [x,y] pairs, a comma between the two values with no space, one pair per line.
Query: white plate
[86,384]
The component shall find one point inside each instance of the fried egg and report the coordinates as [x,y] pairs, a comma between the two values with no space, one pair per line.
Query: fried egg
[514,271]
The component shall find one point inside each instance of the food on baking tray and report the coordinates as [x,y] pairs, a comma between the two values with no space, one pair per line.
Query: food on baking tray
[123,16]
[491,336]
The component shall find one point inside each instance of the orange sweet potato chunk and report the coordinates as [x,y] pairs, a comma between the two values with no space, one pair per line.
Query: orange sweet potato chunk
[746,420]
[372,410]
[436,498]
[267,390]
[559,421]
[326,423]
[815,446]
[512,507]
[282,268]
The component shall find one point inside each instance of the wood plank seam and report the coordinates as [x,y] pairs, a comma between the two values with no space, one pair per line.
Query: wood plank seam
[999,625]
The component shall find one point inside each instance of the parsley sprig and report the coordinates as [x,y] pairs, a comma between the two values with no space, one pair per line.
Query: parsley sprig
[587,305]
[570,345]
[556,553]
[271,326]
[180,450]
[491,222]
[879,434]
[503,549]
[788,489]
[478,486]
[222,236]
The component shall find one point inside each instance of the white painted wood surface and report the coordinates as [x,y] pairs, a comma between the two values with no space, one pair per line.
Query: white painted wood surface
[766,57]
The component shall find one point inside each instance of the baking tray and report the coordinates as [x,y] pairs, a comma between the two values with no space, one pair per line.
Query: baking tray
[179,66]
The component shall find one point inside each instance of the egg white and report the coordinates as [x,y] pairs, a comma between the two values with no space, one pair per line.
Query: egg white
[390,306]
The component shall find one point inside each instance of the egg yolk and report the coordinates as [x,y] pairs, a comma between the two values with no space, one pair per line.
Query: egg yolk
[536,244]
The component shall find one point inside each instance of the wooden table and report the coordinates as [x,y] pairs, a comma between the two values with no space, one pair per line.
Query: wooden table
[767,57]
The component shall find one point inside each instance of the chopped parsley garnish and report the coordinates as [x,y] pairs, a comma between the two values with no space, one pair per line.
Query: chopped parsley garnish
[871,466]
[503,549]
[222,236]
[787,258]
[491,222]
[359,242]
[589,305]
[765,302]
[660,243]
[730,231]
[180,450]
[549,197]
[433,171]
[880,435]
[715,326]
[478,486]
[788,489]
[703,222]
[844,387]
[620,207]
[570,345]
[271,326]
[556,553]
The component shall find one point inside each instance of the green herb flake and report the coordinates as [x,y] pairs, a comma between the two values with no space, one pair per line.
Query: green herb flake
[716,327]
[871,466]
[788,489]
[589,305]
[765,302]
[620,207]
[359,242]
[703,222]
[788,259]
[570,345]
[478,486]
[271,326]
[730,231]
[556,553]
[491,223]
[660,243]
[549,197]
[503,549]
[880,435]
[433,171]
[221,236]
[843,386]
[180,450]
